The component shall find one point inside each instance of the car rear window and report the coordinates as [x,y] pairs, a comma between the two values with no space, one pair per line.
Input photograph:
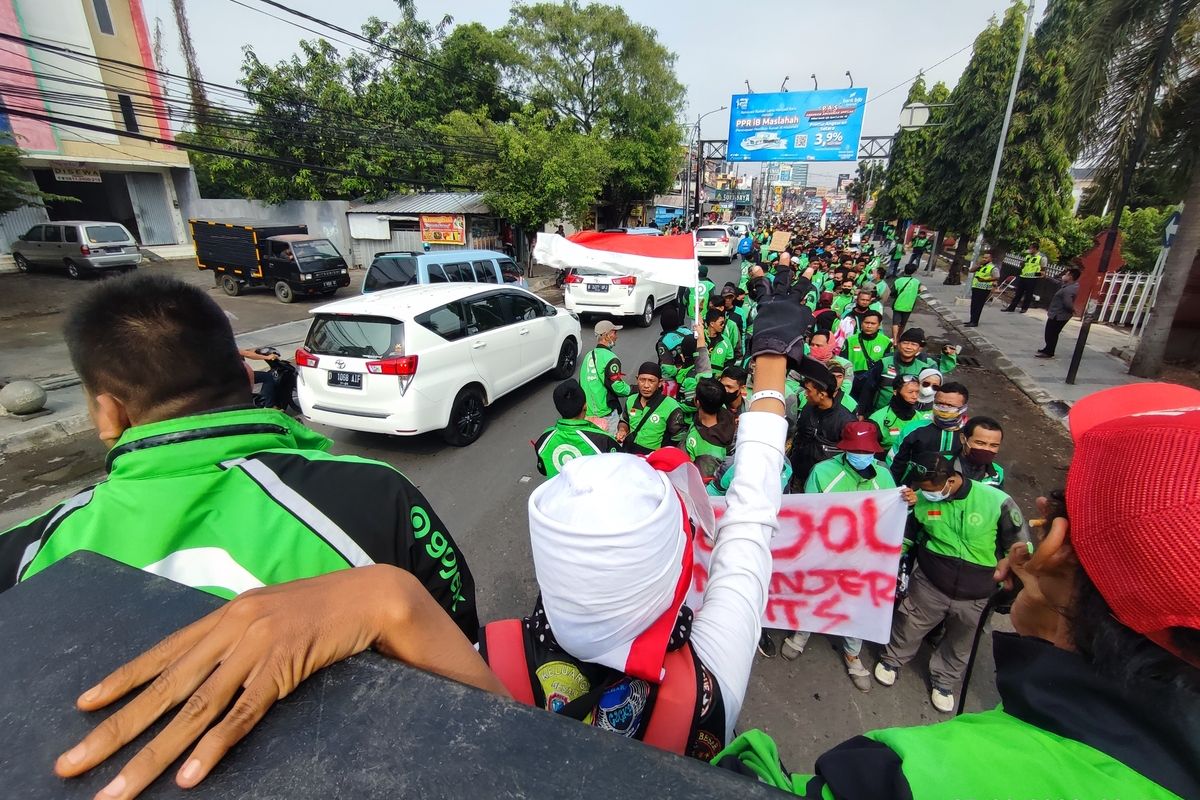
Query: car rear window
[711,233]
[388,272]
[99,234]
[356,337]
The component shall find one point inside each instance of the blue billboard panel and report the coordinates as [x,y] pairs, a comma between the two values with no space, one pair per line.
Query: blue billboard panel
[796,126]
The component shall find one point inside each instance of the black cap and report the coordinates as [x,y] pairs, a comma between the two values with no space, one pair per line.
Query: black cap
[650,368]
[818,373]
[913,335]
[569,399]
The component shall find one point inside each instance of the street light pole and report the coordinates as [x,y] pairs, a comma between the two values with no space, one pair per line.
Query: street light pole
[700,160]
[1012,96]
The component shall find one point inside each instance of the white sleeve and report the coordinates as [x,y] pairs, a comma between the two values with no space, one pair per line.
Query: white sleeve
[727,626]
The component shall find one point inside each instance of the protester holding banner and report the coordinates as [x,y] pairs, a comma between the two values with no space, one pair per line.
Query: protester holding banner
[959,530]
[1100,686]
[855,469]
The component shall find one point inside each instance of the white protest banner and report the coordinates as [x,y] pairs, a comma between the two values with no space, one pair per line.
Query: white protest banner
[834,567]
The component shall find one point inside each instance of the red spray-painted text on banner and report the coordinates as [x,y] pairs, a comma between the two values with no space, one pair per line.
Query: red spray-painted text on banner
[834,566]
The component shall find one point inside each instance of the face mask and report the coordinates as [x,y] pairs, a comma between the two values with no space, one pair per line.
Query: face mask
[981,458]
[821,352]
[732,397]
[926,396]
[860,460]
[937,497]
[948,418]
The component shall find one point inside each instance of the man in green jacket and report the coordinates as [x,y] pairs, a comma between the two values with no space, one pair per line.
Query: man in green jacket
[205,489]
[573,435]
[905,291]
[869,344]
[874,389]
[1099,684]
[960,530]
[650,419]
[602,380]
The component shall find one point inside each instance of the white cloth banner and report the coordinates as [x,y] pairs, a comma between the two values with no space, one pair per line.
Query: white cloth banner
[558,252]
[834,567]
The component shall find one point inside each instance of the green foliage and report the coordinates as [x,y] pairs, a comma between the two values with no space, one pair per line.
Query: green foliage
[868,180]
[1033,190]
[1141,236]
[957,177]
[15,189]
[904,185]
[544,169]
[605,76]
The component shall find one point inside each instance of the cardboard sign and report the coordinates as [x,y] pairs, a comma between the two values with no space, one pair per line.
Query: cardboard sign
[835,560]
[444,228]
[780,240]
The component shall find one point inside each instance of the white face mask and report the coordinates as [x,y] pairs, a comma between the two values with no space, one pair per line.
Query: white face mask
[937,497]
[926,394]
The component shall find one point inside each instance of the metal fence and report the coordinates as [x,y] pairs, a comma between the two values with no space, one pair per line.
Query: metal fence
[1127,297]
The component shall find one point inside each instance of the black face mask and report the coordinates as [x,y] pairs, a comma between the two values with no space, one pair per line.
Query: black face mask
[731,398]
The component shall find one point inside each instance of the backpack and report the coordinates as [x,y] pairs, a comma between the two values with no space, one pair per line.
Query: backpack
[672,716]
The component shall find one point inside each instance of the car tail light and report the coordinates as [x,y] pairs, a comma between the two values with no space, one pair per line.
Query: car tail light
[573,278]
[305,358]
[404,366]
[625,280]
[85,250]
[725,239]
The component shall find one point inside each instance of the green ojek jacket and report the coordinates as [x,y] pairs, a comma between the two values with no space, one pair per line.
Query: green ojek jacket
[236,499]
[569,439]
[1095,738]
[863,352]
[836,475]
[906,290]
[665,425]
[603,382]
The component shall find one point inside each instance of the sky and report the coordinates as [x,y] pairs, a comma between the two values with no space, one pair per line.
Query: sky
[719,45]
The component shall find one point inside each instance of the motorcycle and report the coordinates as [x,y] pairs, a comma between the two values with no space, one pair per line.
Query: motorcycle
[283,375]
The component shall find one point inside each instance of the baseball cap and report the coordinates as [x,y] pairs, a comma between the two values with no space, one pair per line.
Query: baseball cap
[1133,498]
[604,326]
[860,437]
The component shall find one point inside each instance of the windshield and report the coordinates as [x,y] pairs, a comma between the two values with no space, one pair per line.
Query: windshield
[315,250]
[98,234]
[388,272]
[356,337]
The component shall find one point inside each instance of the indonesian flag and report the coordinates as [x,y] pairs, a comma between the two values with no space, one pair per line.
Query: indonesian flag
[665,259]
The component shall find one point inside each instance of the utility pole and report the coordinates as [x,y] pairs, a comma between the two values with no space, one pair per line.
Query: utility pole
[1012,96]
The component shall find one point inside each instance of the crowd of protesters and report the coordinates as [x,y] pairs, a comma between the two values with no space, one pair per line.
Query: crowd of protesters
[782,382]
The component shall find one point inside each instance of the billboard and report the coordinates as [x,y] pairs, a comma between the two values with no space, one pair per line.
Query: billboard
[796,126]
[443,228]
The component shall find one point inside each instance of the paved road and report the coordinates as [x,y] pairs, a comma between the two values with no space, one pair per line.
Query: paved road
[481,492]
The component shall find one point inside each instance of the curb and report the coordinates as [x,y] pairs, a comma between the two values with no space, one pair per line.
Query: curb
[44,435]
[1052,407]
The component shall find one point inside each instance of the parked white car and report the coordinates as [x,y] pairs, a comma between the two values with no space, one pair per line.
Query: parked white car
[423,358]
[716,241]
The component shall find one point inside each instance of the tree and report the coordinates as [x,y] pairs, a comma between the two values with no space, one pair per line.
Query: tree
[544,169]
[957,178]
[904,184]
[868,180]
[1136,92]
[16,190]
[608,77]
[1033,189]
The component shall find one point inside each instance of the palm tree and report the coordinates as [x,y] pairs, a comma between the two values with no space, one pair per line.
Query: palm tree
[1136,86]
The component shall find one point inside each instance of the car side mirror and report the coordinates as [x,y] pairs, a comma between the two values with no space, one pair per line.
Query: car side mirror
[22,237]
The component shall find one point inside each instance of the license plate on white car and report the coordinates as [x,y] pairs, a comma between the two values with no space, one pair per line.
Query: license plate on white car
[597,287]
[345,380]
[708,242]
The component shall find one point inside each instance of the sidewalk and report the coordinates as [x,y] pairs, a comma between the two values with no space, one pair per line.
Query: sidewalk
[1012,341]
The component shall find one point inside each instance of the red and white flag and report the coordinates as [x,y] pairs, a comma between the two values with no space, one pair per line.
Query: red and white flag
[665,259]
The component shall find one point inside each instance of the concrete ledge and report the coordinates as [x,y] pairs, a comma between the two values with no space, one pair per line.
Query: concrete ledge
[44,432]
[1052,407]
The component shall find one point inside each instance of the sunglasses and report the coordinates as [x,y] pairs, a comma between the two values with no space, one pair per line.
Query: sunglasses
[930,383]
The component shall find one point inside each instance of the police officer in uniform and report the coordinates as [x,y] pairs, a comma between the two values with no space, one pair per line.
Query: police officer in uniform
[983,280]
[1032,268]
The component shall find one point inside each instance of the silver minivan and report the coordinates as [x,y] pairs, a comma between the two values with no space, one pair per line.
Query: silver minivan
[79,247]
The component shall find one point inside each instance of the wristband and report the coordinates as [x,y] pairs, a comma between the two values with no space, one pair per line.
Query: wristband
[767,394]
